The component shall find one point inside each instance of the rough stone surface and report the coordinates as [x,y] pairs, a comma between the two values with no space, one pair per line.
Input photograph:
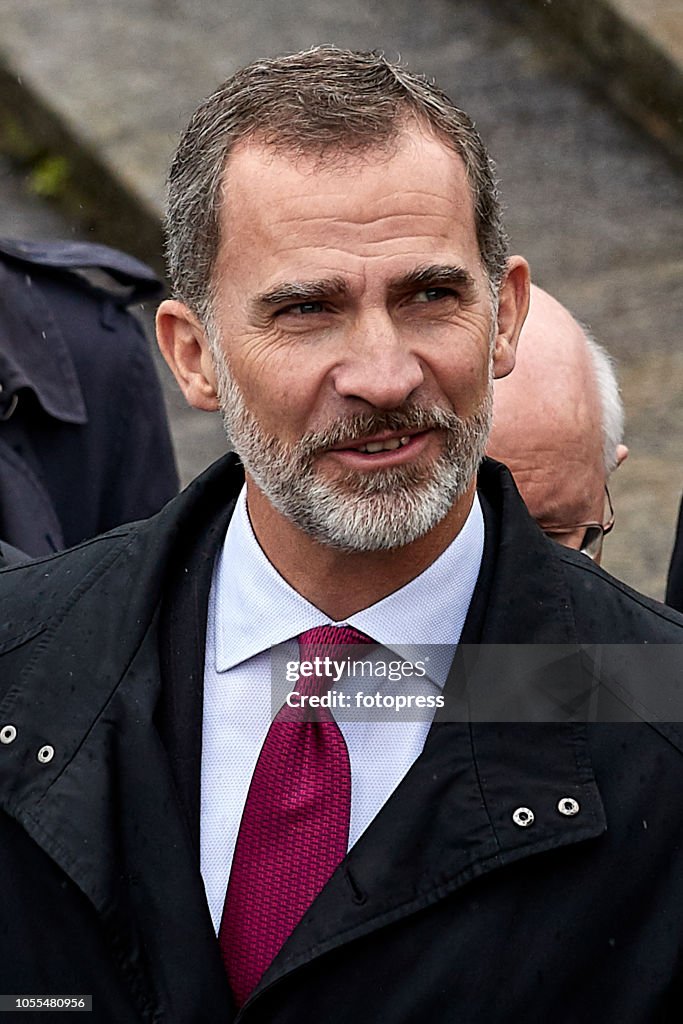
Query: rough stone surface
[636,48]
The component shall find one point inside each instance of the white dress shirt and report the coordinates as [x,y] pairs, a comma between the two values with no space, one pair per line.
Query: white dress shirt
[253,609]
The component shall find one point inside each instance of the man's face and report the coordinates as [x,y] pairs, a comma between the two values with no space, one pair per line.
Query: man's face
[562,483]
[357,338]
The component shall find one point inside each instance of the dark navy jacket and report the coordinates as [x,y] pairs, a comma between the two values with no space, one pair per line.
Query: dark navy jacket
[84,441]
[445,910]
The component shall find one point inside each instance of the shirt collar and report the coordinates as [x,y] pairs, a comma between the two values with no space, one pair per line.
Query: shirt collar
[256,609]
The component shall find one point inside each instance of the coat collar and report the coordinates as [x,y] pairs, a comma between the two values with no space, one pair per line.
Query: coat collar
[61,255]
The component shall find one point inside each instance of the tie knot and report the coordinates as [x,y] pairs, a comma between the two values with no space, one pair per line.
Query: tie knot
[332,636]
[322,638]
[317,646]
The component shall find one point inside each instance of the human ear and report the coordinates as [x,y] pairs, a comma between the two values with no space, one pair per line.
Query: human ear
[622,454]
[184,346]
[513,304]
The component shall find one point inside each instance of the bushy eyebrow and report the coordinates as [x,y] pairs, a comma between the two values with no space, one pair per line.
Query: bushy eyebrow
[301,291]
[433,276]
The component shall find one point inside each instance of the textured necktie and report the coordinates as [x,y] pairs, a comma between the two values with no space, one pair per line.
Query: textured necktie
[295,825]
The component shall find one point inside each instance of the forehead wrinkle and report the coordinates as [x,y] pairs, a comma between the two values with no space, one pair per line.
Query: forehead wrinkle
[448,194]
[425,250]
[325,219]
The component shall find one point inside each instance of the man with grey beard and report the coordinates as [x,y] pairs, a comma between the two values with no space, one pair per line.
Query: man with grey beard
[188,839]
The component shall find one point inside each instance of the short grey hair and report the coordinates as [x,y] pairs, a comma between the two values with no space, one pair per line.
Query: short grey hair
[609,396]
[326,102]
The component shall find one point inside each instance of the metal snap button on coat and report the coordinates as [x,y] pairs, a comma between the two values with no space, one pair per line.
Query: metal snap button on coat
[9,412]
[568,806]
[46,753]
[8,734]
[523,817]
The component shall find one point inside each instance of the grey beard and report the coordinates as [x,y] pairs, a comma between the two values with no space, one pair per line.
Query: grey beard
[376,511]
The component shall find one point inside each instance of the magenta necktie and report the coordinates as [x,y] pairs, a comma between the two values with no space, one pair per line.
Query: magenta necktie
[295,825]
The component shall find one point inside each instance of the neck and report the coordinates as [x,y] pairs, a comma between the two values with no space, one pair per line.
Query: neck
[340,583]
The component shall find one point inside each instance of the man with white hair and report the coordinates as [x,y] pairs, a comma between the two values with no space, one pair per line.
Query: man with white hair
[558,424]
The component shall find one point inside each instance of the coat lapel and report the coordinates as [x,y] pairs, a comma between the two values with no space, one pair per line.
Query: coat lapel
[104,803]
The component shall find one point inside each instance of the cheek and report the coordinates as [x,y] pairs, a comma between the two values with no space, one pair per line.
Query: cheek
[255,362]
[464,381]
[282,390]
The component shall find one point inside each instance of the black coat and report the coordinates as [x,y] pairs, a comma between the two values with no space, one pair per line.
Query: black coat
[445,910]
[84,441]
[674,584]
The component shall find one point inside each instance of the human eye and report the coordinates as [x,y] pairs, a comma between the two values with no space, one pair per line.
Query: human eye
[302,309]
[434,294]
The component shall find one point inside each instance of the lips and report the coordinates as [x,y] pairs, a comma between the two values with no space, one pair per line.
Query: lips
[378,443]
[372,447]
[379,451]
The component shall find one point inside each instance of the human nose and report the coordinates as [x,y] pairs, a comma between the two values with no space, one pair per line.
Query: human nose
[379,366]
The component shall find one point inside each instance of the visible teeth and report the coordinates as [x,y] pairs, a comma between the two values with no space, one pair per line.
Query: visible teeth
[383,446]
